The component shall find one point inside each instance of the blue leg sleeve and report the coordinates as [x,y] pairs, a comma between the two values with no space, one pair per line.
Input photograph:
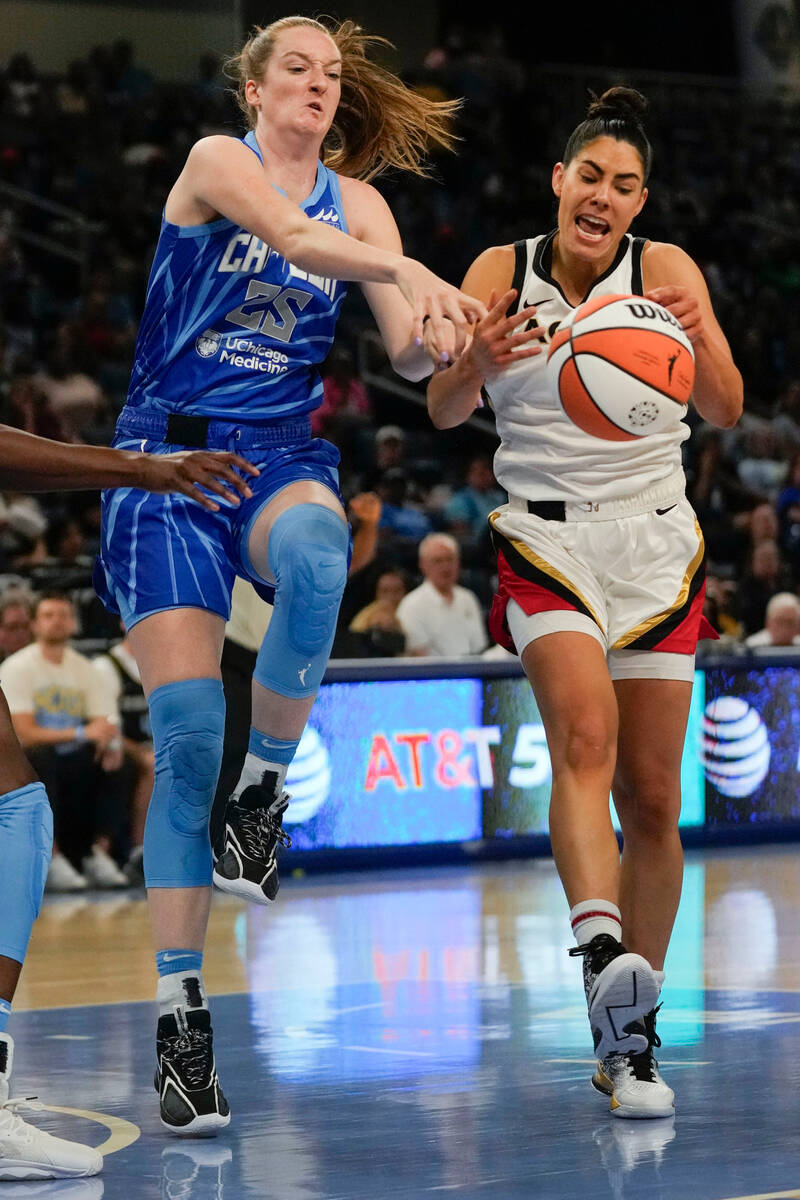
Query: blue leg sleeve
[188,722]
[307,550]
[26,840]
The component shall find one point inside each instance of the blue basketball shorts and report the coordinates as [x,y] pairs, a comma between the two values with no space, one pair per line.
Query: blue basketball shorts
[159,552]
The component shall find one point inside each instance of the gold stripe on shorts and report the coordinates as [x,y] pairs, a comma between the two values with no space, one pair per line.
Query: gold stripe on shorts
[680,605]
[541,567]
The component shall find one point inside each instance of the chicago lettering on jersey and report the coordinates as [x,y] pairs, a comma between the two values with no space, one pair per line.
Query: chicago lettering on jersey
[246,254]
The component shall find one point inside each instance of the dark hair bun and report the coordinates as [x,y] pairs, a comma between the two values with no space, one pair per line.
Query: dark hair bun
[622,103]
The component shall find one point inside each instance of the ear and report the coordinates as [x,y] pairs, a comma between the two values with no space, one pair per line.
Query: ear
[252,92]
[559,171]
[642,199]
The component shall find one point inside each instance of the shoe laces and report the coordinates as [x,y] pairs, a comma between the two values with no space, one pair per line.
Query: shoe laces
[262,829]
[192,1047]
[13,1125]
[644,1066]
[600,951]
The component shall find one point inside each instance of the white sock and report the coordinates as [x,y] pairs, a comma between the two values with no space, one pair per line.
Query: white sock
[253,772]
[660,978]
[188,991]
[591,917]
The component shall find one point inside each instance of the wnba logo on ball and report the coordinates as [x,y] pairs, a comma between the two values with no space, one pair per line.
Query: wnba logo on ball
[735,746]
[308,780]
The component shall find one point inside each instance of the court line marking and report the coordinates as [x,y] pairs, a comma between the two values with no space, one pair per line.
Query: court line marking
[121,1133]
[769,1196]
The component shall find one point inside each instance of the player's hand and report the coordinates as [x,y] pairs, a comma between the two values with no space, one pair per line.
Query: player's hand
[187,471]
[451,344]
[683,305]
[495,345]
[429,296]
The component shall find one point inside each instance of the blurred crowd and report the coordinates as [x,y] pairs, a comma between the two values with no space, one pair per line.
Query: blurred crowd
[102,145]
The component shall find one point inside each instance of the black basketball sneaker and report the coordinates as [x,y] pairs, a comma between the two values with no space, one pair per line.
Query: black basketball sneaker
[246,857]
[620,988]
[191,1099]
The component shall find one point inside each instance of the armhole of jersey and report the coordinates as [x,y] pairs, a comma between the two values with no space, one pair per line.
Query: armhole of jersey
[336,192]
[637,285]
[520,271]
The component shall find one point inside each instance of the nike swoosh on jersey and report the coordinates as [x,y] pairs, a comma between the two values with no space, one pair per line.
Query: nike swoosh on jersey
[660,511]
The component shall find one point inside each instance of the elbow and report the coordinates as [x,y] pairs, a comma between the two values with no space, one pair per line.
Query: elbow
[441,420]
[413,372]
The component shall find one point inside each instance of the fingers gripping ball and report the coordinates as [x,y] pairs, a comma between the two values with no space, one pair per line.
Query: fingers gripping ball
[622,368]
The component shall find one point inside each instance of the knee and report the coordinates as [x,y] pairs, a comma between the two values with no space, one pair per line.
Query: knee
[588,743]
[308,551]
[648,804]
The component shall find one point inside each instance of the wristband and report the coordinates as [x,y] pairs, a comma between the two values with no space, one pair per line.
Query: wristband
[80,733]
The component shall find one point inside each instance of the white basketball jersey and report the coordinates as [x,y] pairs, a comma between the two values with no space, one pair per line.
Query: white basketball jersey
[542,454]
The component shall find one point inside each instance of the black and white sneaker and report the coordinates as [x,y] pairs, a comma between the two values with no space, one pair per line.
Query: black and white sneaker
[633,1082]
[190,1096]
[246,863]
[620,988]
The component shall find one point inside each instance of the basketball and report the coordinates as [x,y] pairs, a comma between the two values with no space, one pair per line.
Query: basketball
[622,368]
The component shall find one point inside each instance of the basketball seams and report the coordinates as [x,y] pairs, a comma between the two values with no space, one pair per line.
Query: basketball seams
[662,333]
[627,433]
[631,375]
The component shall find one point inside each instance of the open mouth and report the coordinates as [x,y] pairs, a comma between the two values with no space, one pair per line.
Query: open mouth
[314,106]
[593,227]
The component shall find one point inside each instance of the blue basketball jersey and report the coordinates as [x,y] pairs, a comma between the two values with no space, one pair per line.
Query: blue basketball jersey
[230,328]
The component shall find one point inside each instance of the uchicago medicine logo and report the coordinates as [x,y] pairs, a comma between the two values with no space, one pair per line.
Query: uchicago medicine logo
[735,748]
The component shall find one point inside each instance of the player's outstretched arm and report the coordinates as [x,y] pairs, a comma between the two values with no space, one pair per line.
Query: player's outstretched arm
[222,176]
[34,464]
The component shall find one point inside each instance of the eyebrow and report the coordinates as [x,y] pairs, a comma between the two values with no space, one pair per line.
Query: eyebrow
[332,62]
[622,175]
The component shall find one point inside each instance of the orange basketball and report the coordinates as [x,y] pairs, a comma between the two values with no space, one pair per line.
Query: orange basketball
[622,367]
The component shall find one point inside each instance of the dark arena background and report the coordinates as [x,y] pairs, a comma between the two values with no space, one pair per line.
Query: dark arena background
[405,1021]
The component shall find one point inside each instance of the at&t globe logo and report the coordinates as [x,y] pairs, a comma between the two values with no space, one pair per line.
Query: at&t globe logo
[308,780]
[735,747]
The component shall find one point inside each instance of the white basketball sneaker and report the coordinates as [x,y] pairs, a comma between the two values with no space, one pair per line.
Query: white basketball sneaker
[633,1081]
[27,1152]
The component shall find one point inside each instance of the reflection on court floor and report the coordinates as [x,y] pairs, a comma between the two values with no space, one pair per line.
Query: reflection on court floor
[420,1032]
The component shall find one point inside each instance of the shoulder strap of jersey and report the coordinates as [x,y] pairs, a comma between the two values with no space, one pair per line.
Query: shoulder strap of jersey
[520,271]
[637,284]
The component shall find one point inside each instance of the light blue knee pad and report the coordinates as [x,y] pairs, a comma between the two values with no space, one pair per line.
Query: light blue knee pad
[188,722]
[307,551]
[26,839]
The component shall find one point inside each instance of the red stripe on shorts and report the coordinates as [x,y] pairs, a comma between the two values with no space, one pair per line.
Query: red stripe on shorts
[683,638]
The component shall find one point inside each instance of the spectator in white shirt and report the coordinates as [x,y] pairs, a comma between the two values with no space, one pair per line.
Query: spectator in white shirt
[439,617]
[781,625]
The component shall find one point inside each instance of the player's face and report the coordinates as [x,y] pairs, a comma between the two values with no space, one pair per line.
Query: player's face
[599,194]
[302,83]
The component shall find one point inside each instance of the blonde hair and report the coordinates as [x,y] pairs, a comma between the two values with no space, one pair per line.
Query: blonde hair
[380,122]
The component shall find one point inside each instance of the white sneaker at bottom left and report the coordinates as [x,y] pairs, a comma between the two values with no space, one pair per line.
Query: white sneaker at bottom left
[27,1152]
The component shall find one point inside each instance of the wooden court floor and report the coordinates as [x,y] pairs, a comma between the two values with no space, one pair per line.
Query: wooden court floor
[423,1031]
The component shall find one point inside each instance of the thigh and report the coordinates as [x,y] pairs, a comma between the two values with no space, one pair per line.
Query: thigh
[161,552]
[569,676]
[177,644]
[653,714]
